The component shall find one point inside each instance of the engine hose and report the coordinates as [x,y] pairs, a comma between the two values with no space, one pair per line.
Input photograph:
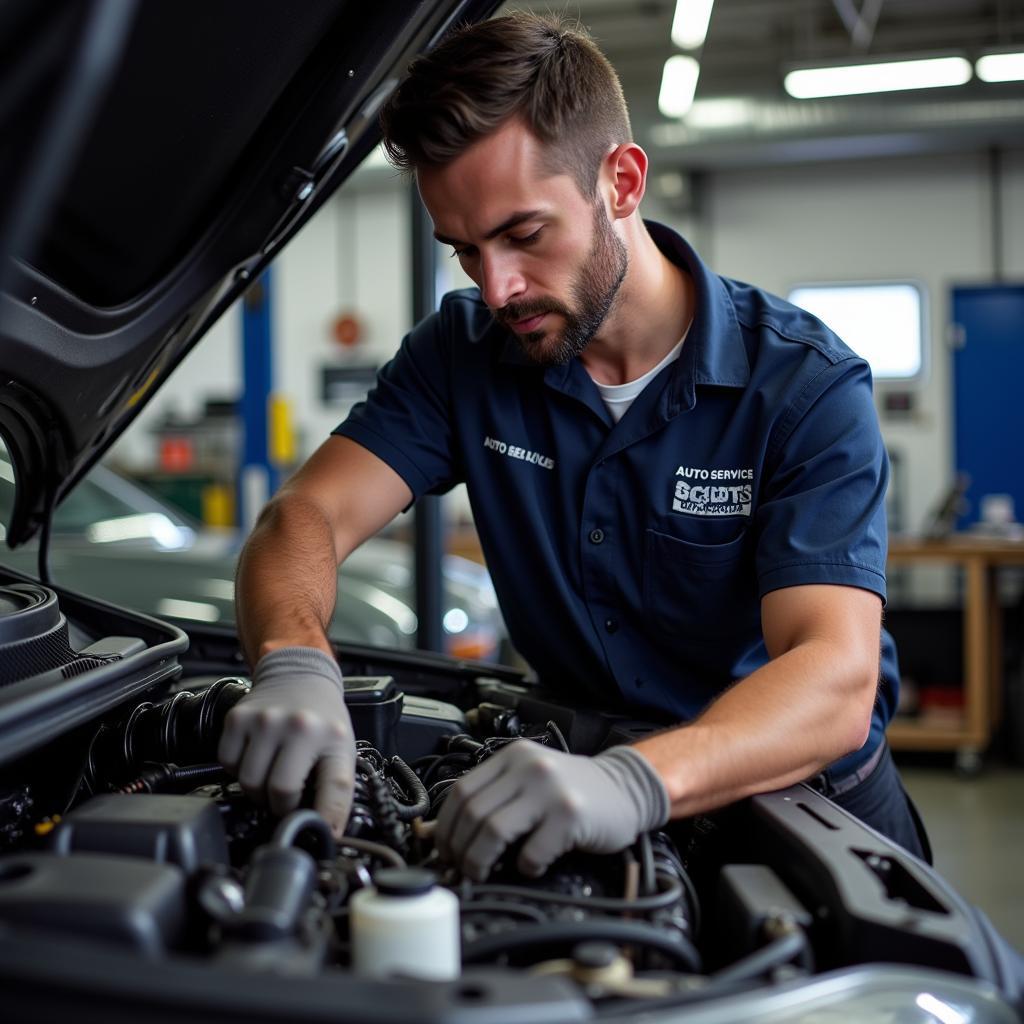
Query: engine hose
[777,953]
[670,863]
[305,822]
[370,754]
[183,730]
[409,783]
[127,734]
[692,899]
[443,761]
[558,736]
[360,792]
[383,806]
[502,907]
[190,724]
[670,891]
[568,933]
[360,820]
[464,744]
[438,792]
[371,849]
[171,778]
[647,863]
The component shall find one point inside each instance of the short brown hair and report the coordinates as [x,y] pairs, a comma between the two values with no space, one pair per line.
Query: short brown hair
[522,65]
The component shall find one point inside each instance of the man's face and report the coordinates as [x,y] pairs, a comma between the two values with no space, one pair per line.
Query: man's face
[546,258]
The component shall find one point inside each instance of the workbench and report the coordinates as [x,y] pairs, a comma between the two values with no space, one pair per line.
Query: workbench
[980,558]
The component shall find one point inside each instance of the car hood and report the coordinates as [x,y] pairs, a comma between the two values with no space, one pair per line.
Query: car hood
[153,159]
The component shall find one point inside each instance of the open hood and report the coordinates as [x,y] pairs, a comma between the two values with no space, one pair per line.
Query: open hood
[154,158]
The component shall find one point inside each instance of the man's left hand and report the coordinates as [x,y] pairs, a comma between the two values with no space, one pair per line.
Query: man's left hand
[559,801]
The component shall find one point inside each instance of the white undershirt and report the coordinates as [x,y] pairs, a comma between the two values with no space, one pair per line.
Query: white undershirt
[619,397]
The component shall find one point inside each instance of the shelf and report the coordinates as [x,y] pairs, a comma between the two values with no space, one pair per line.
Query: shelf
[980,558]
[918,735]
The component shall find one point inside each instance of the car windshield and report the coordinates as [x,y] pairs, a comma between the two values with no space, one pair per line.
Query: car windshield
[102,506]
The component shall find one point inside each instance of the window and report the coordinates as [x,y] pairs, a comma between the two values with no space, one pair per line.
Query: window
[883,323]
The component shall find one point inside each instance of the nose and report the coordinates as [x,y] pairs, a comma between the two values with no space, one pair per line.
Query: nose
[501,280]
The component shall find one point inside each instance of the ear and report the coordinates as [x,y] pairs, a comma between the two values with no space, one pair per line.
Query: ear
[624,179]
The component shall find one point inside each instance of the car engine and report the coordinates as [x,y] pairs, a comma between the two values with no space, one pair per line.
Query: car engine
[217,876]
[123,841]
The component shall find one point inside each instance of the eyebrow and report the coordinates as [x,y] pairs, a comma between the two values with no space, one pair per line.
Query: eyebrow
[506,225]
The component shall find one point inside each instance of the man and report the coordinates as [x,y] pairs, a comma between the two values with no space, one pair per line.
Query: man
[677,479]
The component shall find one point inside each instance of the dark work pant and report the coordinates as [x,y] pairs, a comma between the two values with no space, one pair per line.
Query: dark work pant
[881,802]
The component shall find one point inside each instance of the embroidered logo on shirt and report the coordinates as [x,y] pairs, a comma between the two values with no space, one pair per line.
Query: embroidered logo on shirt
[713,492]
[514,451]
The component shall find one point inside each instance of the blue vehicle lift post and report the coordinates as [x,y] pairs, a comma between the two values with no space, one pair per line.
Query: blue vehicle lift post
[258,478]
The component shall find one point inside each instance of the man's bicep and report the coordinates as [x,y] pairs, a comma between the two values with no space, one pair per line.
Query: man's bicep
[848,618]
[357,492]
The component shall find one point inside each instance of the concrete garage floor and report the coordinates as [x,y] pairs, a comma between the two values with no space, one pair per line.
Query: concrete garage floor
[976,827]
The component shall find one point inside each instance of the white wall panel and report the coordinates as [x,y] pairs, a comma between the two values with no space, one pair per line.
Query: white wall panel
[1013,214]
[306,298]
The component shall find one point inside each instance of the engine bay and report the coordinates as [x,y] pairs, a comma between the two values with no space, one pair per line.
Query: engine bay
[124,844]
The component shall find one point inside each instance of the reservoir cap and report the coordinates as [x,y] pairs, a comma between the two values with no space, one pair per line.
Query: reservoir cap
[404,881]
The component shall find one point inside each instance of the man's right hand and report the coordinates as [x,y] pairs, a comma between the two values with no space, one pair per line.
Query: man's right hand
[293,721]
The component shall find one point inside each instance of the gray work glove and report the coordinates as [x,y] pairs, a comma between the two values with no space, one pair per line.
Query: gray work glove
[561,801]
[293,721]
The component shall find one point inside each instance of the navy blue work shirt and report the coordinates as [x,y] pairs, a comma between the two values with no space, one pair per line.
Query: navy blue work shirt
[630,558]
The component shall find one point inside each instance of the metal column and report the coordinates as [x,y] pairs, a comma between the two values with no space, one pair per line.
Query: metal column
[429,547]
[258,478]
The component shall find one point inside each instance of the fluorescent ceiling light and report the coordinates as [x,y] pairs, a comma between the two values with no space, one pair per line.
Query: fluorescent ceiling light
[690,23]
[892,76]
[1001,67]
[678,85]
[720,112]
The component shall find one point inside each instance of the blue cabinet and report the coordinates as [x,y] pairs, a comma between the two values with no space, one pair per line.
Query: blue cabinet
[988,389]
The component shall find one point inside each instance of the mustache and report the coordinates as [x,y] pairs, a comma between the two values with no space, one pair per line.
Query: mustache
[516,311]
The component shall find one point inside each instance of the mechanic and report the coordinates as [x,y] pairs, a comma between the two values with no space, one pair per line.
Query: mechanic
[678,482]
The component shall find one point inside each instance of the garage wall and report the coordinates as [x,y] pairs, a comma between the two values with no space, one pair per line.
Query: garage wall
[1013,212]
[924,218]
[352,257]
[212,370]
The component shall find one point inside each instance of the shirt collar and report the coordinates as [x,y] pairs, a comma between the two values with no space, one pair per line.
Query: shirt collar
[714,353]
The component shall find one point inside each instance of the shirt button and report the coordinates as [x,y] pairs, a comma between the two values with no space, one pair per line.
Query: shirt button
[611,625]
[596,536]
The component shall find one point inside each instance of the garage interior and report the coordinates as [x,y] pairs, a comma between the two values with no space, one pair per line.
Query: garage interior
[920,190]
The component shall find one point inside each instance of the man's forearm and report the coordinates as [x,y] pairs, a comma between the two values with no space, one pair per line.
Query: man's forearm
[787,720]
[287,579]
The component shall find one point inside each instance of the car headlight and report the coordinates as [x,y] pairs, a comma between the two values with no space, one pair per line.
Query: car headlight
[871,993]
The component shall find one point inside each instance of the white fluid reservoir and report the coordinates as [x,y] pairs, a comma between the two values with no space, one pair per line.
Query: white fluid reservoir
[405,924]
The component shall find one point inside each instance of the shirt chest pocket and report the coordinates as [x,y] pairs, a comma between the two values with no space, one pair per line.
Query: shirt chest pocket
[702,590]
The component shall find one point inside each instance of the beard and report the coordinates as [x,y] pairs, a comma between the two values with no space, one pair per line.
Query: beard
[594,292]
